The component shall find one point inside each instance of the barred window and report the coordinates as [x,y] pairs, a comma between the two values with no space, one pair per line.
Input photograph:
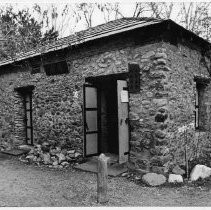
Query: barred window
[201,105]
[56,68]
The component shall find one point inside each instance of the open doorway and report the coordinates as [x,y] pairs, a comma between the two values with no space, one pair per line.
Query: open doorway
[106,117]
[109,117]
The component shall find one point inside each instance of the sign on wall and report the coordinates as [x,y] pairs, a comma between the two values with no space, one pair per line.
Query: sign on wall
[124,96]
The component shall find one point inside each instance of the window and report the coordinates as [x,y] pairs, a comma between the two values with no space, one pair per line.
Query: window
[197,109]
[201,105]
[26,94]
[56,68]
[134,78]
[27,97]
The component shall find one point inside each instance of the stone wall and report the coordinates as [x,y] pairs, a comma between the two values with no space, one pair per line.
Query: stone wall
[185,63]
[165,102]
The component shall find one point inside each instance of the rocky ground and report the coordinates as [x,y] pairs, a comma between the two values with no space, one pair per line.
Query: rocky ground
[23,185]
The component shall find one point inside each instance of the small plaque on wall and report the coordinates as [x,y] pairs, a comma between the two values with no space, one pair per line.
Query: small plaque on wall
[124,96]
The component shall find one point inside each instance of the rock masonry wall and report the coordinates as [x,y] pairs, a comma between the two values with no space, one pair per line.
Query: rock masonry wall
[166,97]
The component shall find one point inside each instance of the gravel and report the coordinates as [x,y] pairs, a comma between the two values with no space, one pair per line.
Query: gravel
[23,185]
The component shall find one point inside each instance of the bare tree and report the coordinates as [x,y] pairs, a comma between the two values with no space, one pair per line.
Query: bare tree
[85,10]
[162,10]
[110,11]
[195,17]
[62,19]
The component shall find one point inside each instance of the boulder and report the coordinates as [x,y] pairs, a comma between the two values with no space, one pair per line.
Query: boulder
[27,148]
[32,151]
[53,151]
[77,154]
[55,163]
[65,163]
[35,159]
[178,170]
[71,151]
[71,155]
[64,151]
[200,171]
[23,160]
[58,149]
[46,158]
[38,146]
[153,179]
[61,157]
[125,174]
[53,158]
[45,147]
[175,178]
[30,157]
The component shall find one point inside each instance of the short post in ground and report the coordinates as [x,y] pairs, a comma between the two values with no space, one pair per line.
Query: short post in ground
[102,176]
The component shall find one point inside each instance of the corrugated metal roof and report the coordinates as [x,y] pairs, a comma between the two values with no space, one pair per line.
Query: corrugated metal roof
[107,29]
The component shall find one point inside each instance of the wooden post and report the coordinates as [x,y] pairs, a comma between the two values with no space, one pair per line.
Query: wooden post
[102,175]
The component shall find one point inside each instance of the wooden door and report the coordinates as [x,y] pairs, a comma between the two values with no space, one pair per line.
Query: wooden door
[122,95]
[90,120]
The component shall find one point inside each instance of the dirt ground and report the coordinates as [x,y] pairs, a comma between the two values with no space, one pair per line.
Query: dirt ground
[23,185]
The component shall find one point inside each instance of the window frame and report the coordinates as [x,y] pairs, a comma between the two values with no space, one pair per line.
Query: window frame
[52,69]
[200,84]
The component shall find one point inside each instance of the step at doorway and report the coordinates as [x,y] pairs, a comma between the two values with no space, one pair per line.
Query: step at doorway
[113,158]
[113,170]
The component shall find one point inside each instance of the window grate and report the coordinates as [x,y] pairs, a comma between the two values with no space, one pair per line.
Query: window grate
[56,68]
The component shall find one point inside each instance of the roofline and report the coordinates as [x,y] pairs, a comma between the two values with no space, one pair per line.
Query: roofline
[102,35]
[118,31]
[189,32]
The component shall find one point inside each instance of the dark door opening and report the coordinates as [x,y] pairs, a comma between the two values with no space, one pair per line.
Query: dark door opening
[109,117]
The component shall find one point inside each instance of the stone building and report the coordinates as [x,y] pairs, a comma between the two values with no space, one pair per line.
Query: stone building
[126,87]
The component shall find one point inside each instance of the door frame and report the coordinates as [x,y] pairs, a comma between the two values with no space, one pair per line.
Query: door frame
[26,118]
[23,91]
[93,81]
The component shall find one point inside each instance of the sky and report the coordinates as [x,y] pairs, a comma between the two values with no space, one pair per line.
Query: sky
[127,8]
[69,25]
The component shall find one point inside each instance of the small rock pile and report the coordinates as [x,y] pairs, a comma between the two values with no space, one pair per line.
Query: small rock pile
[54,157]
[156,179]
[199,172]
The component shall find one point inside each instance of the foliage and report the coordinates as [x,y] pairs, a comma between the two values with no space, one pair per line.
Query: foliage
[20,32]
[194,16]
[196,142]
